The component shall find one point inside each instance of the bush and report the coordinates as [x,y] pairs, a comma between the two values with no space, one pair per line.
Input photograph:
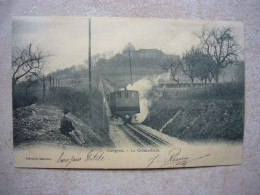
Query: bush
[22,101]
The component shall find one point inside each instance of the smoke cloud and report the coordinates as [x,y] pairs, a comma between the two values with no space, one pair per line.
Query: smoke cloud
[147,93]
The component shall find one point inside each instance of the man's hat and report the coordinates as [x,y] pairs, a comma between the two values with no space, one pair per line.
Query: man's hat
[66,111]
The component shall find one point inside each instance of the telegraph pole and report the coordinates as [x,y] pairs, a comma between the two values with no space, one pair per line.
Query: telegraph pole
[89,68]
[130,65]
[43,89]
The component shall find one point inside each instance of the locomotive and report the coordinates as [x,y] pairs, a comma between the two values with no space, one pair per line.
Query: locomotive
[124,103]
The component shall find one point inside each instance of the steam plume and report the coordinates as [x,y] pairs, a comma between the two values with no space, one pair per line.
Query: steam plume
[147,93]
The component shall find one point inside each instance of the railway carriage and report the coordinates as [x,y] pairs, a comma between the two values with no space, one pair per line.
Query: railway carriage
[124,103]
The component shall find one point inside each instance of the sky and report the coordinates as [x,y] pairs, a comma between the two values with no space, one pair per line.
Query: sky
[67,37]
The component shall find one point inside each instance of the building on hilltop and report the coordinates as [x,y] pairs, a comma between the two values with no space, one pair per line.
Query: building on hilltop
[128,47]
[143,53]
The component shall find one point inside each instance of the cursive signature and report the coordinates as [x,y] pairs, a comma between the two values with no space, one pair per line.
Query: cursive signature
[174,158]
[67,160]
[91,156]
[95,156]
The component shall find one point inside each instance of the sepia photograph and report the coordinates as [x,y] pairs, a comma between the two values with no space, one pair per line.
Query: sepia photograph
[127,93]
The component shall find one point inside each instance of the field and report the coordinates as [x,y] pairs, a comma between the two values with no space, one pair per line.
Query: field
[213,112]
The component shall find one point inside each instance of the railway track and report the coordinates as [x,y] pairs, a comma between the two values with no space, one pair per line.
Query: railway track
[157,139]
[137,134]
[143,137]
[107,88]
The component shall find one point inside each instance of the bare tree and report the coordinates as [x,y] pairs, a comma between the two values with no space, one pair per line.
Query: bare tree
[172,65]
[109,54]
[221,45]
[27,62]
[189,67]
[95,58]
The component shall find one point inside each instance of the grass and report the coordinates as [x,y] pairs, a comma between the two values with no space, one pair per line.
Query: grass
[208,113]
[77,101]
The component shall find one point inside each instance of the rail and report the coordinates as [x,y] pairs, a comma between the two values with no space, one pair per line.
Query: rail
[142,137]
[156,138]
[107,88]
[132,135]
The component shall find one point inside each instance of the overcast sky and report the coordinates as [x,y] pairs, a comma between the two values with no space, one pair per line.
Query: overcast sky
[67,38]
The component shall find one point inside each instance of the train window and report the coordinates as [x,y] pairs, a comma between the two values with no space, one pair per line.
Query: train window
[133,95]
[119,94]
[126,94]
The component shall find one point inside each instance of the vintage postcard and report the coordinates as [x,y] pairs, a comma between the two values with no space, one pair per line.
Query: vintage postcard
[125,93]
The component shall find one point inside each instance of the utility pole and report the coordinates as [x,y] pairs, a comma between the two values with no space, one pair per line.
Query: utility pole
[104,113]
[130,65]
[97,81]
[43,89]
[89,69]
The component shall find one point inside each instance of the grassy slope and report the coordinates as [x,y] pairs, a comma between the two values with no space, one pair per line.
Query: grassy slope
[209,113]
[77,101]
[27,128]
[41,123]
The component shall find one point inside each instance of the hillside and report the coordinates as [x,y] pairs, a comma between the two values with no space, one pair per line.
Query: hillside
[41,123]
[144,62]
[200,113]
[117,69]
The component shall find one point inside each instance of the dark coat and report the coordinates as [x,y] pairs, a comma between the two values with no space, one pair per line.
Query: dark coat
[66,125]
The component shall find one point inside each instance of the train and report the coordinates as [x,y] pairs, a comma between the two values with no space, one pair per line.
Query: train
[124,104]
